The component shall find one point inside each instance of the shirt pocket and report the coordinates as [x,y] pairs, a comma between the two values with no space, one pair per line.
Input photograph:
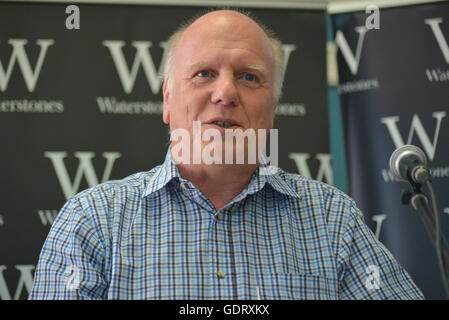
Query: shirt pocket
[294,286]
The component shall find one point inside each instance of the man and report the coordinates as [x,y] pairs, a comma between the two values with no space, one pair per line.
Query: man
[202,230]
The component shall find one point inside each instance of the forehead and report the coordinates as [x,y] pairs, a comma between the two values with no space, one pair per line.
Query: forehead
[223,34]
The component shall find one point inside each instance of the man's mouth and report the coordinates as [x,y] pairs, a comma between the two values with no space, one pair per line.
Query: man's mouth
[224,124]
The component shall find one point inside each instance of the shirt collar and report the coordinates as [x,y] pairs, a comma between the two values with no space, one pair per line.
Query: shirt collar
[264,174]
[163,175]
[280,184]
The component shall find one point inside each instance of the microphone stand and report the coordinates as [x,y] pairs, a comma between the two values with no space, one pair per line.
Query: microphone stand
[420,203]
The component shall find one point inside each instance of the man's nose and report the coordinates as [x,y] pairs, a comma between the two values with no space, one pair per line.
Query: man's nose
[225,91]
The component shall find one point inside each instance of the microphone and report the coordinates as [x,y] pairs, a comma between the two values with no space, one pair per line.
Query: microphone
[409,163]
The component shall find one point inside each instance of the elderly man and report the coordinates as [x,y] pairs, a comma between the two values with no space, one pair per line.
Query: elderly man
[202,230]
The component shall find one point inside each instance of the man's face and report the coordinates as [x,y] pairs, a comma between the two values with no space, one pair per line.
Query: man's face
[222,76]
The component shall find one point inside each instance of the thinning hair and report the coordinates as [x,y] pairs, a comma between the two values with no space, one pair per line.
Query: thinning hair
[276,47]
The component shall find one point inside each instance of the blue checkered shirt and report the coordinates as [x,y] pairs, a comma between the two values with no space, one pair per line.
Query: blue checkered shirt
[154,235]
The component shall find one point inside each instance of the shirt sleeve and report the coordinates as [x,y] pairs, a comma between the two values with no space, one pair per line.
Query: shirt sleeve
[367,270]
[71,263]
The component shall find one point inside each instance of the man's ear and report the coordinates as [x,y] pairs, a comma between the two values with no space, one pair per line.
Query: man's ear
[166,106]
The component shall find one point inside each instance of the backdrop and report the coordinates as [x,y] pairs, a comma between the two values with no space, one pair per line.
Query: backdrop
[82,106]
[394,89]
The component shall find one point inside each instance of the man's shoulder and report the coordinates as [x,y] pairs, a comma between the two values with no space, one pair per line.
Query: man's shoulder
[321,199]
[132,185]
[309,188]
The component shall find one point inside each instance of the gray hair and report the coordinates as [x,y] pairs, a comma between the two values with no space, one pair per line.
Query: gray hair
[276,47]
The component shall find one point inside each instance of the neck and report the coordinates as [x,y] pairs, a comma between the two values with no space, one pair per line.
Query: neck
[219,183]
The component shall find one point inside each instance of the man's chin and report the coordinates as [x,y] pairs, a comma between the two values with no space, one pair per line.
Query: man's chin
[229,153]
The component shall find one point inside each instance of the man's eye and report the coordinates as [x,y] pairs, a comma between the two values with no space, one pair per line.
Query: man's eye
[249,77]
[203,74]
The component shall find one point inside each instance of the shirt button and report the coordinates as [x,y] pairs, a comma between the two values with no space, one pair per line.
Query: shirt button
[221,274]
[219,216]
[184,185]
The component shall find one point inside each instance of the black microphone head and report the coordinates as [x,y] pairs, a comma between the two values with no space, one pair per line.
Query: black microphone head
[403,157]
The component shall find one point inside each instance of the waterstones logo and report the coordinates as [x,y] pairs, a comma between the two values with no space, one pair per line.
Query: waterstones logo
[70,186]
[31,106]
[142,59]
[30,75]
[23,285]
[20,56]
[439,36]
[47,217]
[111,105]
[438,74]
[302,160]
[418,130]
[85,169]
[378,219]
[353,62]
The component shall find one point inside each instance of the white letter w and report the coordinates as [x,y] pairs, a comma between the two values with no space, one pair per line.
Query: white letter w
[85,168]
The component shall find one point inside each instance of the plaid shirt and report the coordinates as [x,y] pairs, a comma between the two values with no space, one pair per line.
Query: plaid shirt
[154,235]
